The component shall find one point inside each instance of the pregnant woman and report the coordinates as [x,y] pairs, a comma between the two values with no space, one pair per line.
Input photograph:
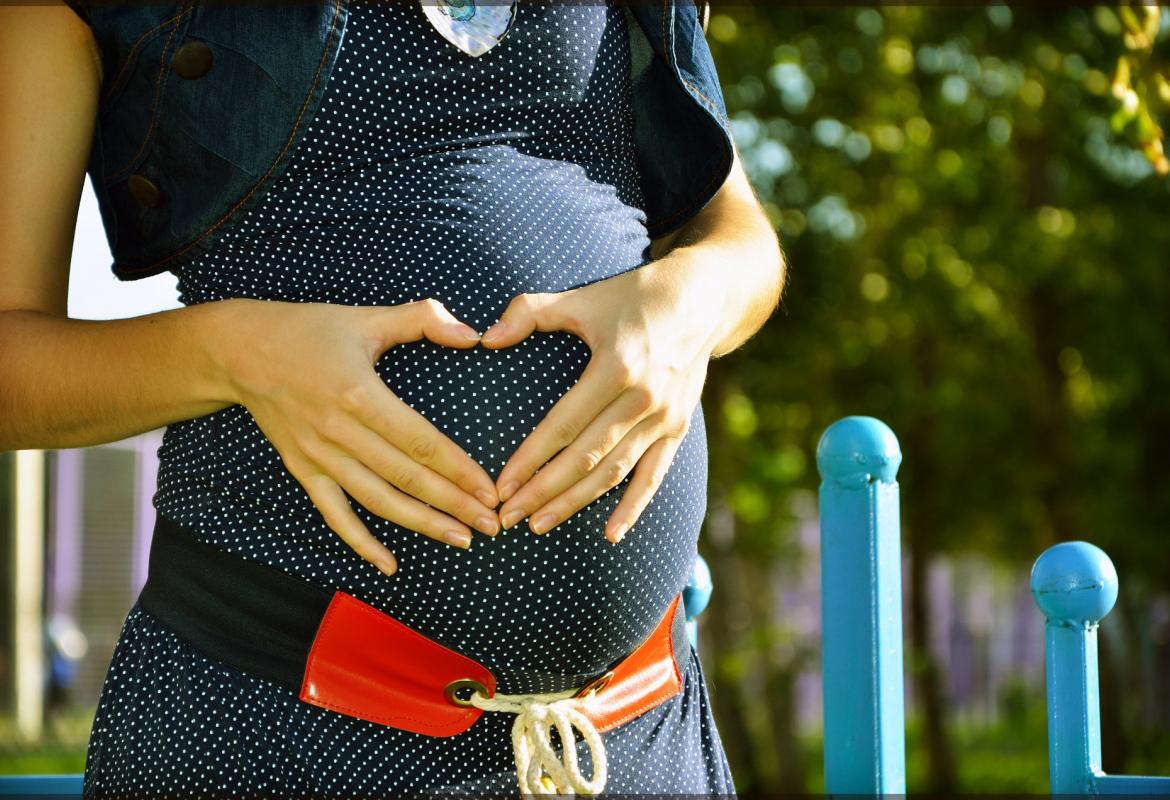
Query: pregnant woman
[438,363]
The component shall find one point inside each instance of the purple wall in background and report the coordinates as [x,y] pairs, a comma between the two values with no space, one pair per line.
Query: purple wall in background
[144,512]
[65,540]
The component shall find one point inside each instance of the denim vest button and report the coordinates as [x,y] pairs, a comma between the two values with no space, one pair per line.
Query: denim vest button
[192,60]
[145,191]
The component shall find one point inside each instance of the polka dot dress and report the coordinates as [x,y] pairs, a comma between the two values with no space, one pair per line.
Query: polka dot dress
[425,173]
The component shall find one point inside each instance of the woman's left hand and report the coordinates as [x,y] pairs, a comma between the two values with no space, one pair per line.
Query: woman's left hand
[651,332]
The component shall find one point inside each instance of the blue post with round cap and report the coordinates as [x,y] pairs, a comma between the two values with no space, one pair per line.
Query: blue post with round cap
[696,595]
[1075,585]
[861,612]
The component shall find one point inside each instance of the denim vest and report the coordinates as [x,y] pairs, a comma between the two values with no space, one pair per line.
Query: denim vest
[201,106]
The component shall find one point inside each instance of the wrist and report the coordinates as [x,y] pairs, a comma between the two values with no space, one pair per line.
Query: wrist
[692,281]
[217,332]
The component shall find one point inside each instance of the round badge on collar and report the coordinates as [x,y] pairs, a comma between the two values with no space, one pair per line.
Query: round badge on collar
[474,26]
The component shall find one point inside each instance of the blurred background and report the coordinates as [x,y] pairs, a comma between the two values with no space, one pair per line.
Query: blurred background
[975,209]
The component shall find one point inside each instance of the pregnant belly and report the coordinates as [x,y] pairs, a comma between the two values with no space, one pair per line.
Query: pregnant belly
[541,611]
[568,601]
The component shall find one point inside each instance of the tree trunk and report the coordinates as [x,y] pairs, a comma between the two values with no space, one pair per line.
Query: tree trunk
[922,523]
[926,677]
[779,680]
[728,702]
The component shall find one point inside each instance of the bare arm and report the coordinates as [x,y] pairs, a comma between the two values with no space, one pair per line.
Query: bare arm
[65,382]
[652,332]
[741,267]
[304,371]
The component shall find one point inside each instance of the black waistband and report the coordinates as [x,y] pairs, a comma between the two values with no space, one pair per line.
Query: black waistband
[252,616]
[249,615]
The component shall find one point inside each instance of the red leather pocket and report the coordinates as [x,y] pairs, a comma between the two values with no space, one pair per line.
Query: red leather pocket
[369,665]
[645,678]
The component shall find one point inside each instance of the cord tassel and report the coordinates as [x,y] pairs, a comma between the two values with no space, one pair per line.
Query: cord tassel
[538,769]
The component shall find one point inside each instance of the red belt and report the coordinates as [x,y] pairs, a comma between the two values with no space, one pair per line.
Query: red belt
[342,654]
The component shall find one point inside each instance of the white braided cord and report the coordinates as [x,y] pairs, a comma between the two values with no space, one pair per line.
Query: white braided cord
[538,769]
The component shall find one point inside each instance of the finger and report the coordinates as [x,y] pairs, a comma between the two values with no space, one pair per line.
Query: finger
[421,319]
[339,516]
[394,420]
[578,461]
[612,470]
[561,426]
[648,476]
[379,497]
[535,311]
[417,480]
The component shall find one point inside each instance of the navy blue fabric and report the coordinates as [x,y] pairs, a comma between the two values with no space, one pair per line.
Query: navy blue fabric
[428,173]
[215,144]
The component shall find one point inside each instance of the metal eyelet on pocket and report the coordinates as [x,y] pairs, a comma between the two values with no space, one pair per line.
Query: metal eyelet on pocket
[596,685]
[464,683]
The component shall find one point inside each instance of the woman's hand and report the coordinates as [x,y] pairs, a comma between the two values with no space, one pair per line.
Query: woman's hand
[306,375]
[651,331]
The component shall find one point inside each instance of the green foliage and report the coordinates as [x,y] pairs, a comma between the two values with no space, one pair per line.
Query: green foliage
[975,257]
[978,249]
[1139,83]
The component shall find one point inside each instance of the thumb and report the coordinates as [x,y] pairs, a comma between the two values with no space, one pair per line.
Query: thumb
[535,311]
[424,319]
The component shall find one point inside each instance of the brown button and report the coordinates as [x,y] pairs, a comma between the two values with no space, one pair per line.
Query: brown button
[192,60]
[145,191]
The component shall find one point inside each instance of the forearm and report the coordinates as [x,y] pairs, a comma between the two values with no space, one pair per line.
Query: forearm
[74,383]
[742,277]
[735,263]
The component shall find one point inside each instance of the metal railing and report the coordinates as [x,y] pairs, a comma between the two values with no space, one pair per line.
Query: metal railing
[1075,585]
[861,608]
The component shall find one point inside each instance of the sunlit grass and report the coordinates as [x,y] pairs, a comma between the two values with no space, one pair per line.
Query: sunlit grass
[61,749]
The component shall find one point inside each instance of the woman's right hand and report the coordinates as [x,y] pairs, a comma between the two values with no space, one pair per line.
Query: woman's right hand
[306,376]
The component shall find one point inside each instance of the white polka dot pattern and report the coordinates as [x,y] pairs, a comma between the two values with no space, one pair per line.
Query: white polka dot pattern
[428,173]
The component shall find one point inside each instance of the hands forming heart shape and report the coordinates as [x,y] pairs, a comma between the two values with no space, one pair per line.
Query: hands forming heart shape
[337,426]
[628,412]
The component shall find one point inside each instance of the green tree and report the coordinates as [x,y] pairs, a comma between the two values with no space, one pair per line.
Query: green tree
[977,256]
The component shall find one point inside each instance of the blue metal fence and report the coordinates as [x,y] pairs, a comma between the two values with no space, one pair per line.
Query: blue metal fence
[861,608]
[1074,583]
[40,786]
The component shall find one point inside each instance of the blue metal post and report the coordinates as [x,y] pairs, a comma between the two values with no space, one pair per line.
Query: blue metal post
[696,595]
[1075,585]
[32,786]
[861,615]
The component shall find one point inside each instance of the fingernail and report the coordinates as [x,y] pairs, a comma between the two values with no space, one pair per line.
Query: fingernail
[387,565]
[495,330]
[458,538]
[487,524]
[619,532]
[541,523]
[468,333]
[512,517]
[508,490]
[487,498]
